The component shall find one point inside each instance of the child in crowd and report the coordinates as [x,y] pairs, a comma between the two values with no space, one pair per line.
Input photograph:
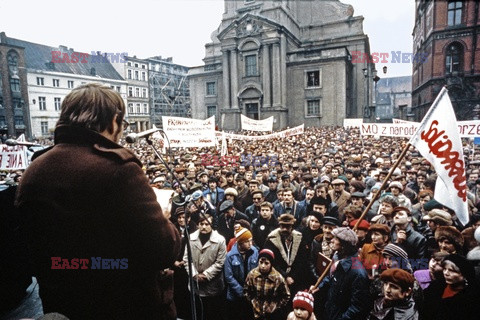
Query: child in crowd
[302,307]
[266,289]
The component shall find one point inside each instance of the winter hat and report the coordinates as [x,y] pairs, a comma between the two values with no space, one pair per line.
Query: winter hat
[231,191]
[346,235]
[286,218]
[382,228]
[465,266]
[439,216]
[303,300]
[364,225]
[242,234]
[395,184]
[397,252]
[267,254]
[398,276]
[197,195]
[452,234]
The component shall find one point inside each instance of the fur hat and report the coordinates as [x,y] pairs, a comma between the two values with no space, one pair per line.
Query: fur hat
[451,233]
[303,300]
[395,184]
[231,191]
[398,276]
[267,254]
[242,234]
[346,235]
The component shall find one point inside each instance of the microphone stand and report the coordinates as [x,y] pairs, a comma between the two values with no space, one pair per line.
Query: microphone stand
[186,233]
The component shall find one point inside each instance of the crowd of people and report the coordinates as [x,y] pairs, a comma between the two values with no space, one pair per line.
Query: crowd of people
[260,224]
[260,217]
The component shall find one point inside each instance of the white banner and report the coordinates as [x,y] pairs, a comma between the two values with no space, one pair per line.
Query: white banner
[13,157]
[352,123]
[438,140]
[256,125]
[188,133]
[403,128]
[282,134]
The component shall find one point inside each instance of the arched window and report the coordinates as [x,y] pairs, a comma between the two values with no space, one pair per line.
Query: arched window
[12,60]
[454,13]
[454,58]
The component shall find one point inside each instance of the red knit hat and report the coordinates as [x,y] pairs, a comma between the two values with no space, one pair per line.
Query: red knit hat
[303,300]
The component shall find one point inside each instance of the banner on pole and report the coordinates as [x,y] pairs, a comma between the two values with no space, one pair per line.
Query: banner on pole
[438,140]
[188,133]
[256,125]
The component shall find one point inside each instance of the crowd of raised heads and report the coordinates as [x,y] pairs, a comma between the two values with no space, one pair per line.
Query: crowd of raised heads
[266,218]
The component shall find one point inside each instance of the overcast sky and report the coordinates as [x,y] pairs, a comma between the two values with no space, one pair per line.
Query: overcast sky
[176,28]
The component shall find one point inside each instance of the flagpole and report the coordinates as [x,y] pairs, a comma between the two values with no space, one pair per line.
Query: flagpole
[321,277]
[377,194]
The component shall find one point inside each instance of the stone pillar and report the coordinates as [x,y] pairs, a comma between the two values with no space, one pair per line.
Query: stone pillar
[276,82]
[234,77]
[266,77]
[283,69]
[226,80]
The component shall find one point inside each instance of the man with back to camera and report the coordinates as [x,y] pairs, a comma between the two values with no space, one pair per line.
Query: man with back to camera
[87,205]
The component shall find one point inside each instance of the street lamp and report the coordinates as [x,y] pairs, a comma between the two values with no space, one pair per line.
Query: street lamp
[369,110]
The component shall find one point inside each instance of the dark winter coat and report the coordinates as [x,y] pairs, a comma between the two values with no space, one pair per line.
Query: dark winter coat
[88,198]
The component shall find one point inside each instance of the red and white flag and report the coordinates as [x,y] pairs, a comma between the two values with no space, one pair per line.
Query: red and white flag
[438,140]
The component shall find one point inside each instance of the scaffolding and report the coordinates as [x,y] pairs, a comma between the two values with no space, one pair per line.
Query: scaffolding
[169,90]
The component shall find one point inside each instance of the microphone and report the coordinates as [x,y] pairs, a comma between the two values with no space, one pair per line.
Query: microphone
[12,142]
[133,137]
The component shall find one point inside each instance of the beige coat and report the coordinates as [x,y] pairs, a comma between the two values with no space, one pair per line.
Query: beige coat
[208,259]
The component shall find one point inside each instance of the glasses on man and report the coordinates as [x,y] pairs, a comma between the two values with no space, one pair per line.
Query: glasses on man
[126,124]
[257,199]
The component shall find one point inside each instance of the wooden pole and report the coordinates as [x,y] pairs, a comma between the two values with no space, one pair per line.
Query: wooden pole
[321,277]
[376,195]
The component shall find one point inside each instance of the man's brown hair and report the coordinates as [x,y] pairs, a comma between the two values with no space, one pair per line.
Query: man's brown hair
[92,106]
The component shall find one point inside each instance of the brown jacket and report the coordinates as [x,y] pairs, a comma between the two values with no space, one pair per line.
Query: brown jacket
[88,198]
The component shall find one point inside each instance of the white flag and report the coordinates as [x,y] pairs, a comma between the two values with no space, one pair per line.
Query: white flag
[438,140]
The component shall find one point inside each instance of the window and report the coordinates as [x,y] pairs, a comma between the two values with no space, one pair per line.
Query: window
[15,84]
[129,64]
[211,111]
[454,13]
[313,79]
[118,89]
[19,121]
[44,127]
[56,82]
[144,76]
[313,108]
[137,92]
[136,75]
[211,88]
[130,91]
[130,108]
[143,66]
[138,108]
[57,104]
[145,108]
[136,65]
[453,59]
[40,81]
[3,121]
[70,84]
[129,74]
[42,103]
[144,92]
[250,65]
[17,103]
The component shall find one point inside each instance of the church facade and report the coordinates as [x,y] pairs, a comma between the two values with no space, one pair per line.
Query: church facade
[288,59]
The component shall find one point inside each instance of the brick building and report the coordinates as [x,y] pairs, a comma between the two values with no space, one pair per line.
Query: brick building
[447,34]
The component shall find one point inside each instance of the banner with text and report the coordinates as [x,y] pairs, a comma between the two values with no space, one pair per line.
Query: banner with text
[188,133]
[282,134]
[13,157]
[256,125]
[405,129]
